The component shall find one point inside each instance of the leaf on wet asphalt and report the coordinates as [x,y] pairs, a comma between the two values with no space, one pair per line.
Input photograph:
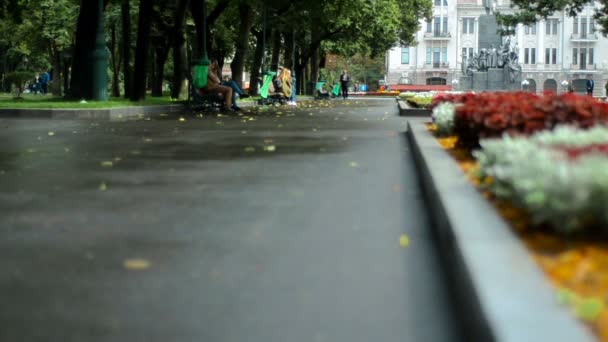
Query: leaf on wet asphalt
[106,163]
[181,119]
[268,141]
[147,140]
[249,149]
[270,148]
[135,152]
[404,241]
[243,132]
[103,186]
[589,309]
[66,149]
[51,134]
[136,264]
[354,164]
[314,129]
[31,150]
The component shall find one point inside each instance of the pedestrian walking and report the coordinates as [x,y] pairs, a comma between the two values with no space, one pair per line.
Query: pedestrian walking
[45,78]
[344,81]
[590,85]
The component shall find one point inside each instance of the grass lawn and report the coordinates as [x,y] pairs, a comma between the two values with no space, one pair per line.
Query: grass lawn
[48,101]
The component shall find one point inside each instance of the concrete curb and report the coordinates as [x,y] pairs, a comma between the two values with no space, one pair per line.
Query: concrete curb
[94,113]
[499,293]
[406,110]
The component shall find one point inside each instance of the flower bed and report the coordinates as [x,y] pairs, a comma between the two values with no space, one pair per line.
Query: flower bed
[488,115]
[551,185]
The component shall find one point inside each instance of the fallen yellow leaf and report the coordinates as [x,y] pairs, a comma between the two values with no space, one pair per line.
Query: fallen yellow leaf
[103,186]
[136,264]
[106,163]
[404,241]
[51,134]
[354,164]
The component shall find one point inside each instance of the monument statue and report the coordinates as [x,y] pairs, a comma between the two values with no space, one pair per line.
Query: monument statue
[493,56]
[489,5]
[495,65]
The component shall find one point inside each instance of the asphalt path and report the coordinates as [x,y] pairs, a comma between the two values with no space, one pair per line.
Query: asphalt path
[278,224]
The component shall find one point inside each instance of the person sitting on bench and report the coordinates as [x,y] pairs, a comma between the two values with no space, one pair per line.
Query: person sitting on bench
[214,86]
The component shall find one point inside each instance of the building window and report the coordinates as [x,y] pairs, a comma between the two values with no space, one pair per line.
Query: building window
[583,27]
[405,55]
[526,56]
[428,55]
[445,25]
[575,25]
[437,23]
[533,56]
[468,25]
[429,27]
[574,56]
[551,56]
[591,25]
[438,2]
[444,55]
[530,29]
[551,27]
[590,56]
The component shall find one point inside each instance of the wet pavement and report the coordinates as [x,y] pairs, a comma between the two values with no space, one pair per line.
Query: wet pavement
[276,225]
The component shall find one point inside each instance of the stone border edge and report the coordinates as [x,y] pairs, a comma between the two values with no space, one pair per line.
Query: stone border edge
[406,110]
[499,293]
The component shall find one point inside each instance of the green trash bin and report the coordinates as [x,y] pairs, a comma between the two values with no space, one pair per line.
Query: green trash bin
[201,71]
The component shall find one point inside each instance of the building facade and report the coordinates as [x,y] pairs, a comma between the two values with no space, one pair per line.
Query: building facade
[553,53]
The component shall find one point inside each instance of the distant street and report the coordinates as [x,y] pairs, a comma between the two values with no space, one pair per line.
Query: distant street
[281,225]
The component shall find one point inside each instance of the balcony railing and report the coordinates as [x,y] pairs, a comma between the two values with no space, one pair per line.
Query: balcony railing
[440,65]
[437,35]
[584,37]
[583,66]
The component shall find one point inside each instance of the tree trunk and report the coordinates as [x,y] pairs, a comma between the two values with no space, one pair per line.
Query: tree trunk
[82,68]
[66,75]
[196,10]
[56,65]
[126,48]
[115,64]
[161,54]
[242,43]
[141,51]
[256,65]
[276,50]
[288,58]
[179,49]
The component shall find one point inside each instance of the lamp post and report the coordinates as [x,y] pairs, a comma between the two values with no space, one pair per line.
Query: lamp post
[524,84]
[100,59]
[455,84]
[564,86]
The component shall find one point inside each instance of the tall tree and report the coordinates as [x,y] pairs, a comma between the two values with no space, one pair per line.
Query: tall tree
[86,70]
[528,12]
[125,10]
[242,42]
[142,50]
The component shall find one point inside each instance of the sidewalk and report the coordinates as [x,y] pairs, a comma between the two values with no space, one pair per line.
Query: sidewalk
[283,225]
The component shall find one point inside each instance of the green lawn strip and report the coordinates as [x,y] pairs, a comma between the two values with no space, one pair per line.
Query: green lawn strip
[49,102]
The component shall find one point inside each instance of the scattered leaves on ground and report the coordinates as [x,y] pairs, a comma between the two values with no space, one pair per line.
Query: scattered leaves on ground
[136,264]
[404,241]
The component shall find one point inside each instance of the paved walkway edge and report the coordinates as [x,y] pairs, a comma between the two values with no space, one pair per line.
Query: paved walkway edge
[500,294]
[94,113]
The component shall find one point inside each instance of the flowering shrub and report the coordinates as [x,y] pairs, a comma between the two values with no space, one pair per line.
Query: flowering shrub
[492,114]
[443,117]
[559,177]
